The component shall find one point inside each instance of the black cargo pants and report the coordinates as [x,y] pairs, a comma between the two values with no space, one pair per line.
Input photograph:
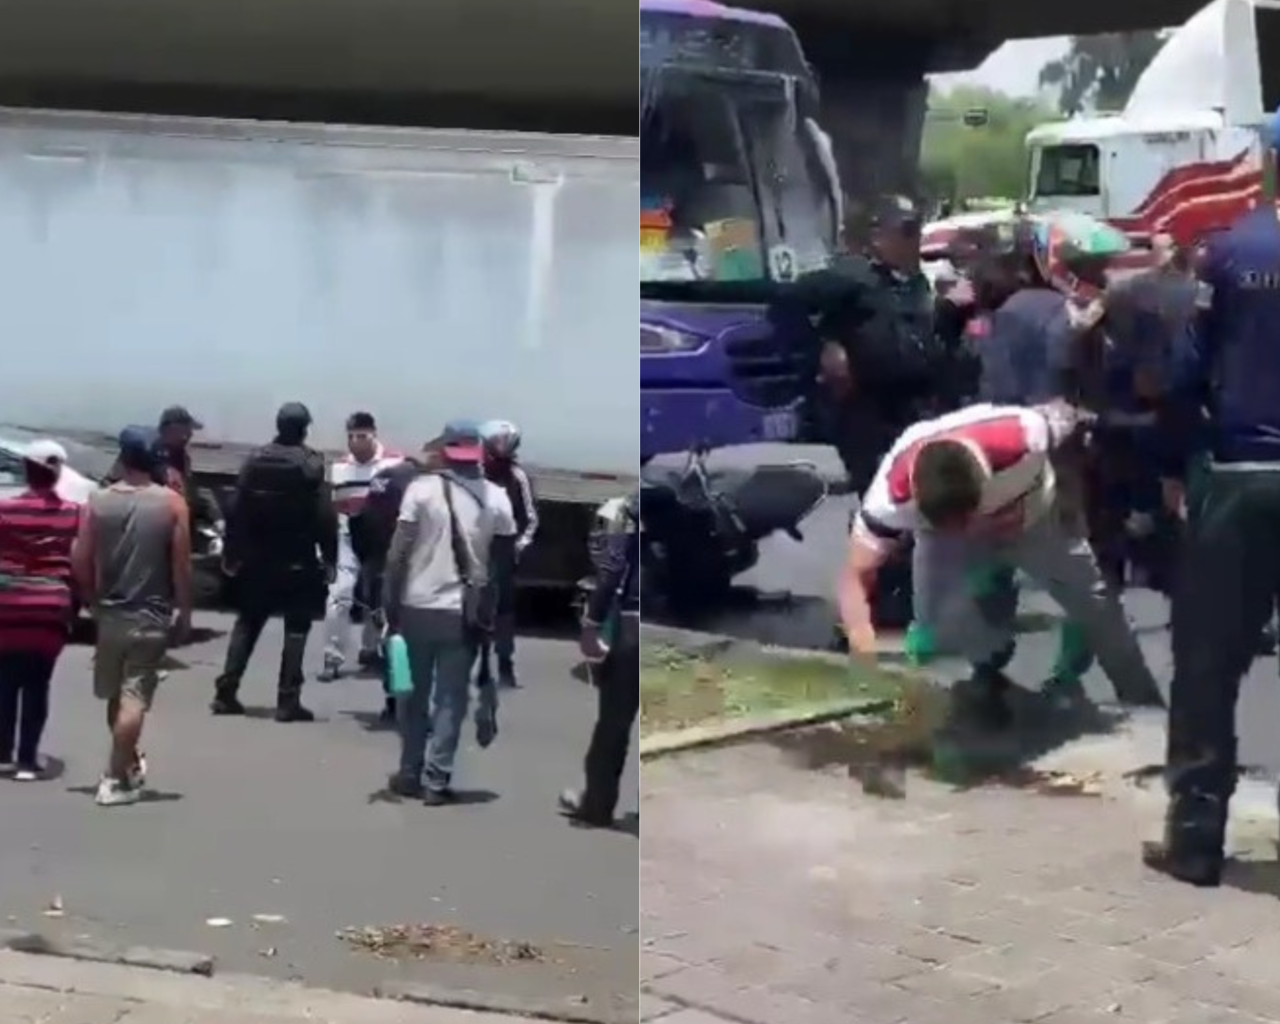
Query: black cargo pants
[1224,596]
[291,592]
[618,691]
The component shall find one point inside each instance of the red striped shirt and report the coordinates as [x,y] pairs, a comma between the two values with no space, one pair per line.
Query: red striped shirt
[1012,445]
[37,531]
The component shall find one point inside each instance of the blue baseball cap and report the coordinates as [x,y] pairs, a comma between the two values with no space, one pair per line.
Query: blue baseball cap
[139,446]
[462,441]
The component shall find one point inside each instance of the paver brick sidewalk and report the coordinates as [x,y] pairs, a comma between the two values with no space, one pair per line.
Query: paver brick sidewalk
[50,990]
[772,894]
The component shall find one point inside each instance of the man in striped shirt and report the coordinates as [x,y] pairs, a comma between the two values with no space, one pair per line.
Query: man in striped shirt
[976,490]
[37,530]
[350,478]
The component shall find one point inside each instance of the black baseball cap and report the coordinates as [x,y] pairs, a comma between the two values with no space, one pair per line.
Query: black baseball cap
[897,213]
[293,414]
[179,415]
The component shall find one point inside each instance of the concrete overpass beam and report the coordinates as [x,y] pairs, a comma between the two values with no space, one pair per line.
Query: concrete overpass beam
[874,95]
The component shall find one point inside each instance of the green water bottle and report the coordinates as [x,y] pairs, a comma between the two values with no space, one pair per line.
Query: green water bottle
[399,678]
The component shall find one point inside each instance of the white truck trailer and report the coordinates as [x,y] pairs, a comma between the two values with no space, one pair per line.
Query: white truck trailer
[420,274]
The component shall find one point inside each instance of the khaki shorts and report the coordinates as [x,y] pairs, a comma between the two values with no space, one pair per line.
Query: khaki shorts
[127,660]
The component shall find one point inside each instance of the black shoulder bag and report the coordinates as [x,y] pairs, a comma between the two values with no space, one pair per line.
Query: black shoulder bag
[479,600]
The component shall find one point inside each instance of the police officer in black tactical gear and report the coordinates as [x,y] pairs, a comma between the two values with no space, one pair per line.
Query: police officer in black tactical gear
[610,641]
[282,515]
[895,257]
[877,371]
[882,365]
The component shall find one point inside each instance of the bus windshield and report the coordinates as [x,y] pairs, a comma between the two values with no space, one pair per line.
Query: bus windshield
[733,184]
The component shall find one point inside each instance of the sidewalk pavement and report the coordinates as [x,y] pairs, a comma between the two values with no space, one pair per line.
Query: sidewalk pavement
[777,894]
[53,990]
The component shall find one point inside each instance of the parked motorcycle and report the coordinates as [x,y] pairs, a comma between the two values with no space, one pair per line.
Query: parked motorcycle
[703,527]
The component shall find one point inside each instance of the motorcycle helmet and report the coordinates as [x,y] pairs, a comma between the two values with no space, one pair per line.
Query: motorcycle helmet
[501,438]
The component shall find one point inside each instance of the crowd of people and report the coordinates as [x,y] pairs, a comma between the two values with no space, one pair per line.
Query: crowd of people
[424,547]
[1111,422]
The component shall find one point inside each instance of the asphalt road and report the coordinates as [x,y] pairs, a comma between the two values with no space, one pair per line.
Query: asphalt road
[251,817]
[807,570]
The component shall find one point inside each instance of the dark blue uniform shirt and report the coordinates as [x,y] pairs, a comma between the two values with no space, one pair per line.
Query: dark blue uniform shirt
[1025,354]
[1228,362]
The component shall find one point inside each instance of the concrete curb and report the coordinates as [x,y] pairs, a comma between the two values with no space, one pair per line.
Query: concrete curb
[696,644]
[182,962]
[566,1012]
[718,734]
[176,961]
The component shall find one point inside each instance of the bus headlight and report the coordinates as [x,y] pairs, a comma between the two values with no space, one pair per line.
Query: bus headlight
[667,341]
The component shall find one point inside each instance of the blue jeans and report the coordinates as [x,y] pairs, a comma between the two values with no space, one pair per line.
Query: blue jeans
[432,716]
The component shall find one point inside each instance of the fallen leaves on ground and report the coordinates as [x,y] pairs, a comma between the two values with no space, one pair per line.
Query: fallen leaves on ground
[1054,783]
[433,941]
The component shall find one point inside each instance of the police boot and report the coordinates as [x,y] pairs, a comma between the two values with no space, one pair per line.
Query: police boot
[586,809]
[507,673]
[289,690]
[1193,847]
[239,650]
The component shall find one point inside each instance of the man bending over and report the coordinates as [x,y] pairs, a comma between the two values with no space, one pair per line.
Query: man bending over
[975,488]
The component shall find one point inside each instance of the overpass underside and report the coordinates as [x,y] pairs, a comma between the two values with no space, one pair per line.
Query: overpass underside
[872,56]
[568,65]
[961,28]
[552,65]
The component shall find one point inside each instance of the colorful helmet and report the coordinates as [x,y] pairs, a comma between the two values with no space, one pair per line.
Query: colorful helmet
[501,438]
[1073,251]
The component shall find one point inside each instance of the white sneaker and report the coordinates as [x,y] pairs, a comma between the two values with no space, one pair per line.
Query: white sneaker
[138,777]
[114,793]
[27,774]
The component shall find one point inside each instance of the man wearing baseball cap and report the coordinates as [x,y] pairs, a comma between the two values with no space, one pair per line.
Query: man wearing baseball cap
[281,520]
[133,565]
[1228,365]
[176,428]
[436,595]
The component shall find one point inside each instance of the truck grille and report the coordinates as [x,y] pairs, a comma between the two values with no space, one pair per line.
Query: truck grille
[763,370]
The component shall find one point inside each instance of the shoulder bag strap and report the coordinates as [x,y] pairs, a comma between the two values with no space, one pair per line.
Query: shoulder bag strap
[461,552]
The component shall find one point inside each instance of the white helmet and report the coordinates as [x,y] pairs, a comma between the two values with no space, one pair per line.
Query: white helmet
[501,438]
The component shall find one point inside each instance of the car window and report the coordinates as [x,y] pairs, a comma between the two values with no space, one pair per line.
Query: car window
[11,472]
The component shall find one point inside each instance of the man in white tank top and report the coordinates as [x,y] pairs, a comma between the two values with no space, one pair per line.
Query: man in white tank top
[350,478]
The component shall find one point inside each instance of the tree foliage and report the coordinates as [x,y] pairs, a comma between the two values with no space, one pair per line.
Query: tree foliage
[1100,71]
[959,161]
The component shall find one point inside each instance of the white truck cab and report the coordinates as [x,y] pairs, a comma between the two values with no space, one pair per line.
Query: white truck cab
[1184,156]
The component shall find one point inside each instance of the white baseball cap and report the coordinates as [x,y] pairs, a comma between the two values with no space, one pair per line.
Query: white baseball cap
[45,452]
